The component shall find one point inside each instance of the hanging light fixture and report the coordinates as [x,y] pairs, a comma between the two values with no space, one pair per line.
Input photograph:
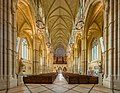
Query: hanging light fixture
[48,44]
[40,24]
[79,25]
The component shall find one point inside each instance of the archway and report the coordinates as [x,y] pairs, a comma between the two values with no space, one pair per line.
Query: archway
[64,69]
[60,69]
[93,32]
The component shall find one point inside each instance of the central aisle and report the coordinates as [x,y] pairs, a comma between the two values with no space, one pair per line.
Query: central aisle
[60,79]
[60,85]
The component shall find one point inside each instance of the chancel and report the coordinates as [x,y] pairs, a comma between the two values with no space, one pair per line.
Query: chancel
[59,56]
[59,46]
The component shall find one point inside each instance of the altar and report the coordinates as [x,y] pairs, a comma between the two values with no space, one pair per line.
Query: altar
[59,57]
[59,60]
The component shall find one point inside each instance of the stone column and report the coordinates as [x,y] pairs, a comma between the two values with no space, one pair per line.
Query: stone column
[35,55]
[8,44]
[5,76]
[68,63]
[78,59]
[75,60]
[48,61]
[51,62]
[72,60]
[40,71]
[115,38]
[44,61]
[11,48]
[14,39]
[1,44]
[111,45]
[116,45]
[84,56]
[108,82]
[118,40]
[5,38]
[105,35]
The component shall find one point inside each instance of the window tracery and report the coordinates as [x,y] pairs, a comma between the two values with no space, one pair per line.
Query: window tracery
[94,50]
[25,49]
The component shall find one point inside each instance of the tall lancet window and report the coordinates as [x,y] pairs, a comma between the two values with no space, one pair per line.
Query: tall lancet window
[94,50]
[25,49]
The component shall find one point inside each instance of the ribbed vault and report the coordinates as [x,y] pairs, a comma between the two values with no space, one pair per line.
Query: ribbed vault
[59,18]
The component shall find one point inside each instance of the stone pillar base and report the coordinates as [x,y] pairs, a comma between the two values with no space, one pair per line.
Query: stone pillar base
[4,84]
[13,82]
[107,82]
[20,80]
[117,84]
[100,81]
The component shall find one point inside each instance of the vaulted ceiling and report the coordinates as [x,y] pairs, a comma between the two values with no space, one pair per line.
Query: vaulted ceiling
[59,18]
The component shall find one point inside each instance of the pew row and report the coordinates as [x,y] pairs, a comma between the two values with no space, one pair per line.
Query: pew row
[80,79]
[47,78]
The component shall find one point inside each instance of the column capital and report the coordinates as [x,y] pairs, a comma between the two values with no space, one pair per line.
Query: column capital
[107,7]
[83,37]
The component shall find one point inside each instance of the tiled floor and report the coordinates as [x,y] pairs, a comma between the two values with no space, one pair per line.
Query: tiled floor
[60,86]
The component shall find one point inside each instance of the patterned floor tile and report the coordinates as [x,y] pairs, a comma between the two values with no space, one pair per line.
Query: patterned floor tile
[38,89]
[47,91]
[33,85]
[69,86]
[17,89]
[60,85]
[2,91]
[59,89]
[72,91]
[102,89]
[86,85]
[50,86]
[81,89]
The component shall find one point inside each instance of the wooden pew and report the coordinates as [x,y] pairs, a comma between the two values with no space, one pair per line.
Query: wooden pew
[93,80]
[72,78]
[47,78]
[83,79]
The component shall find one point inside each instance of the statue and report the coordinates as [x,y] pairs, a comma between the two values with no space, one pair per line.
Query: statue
[22,66]
[22,69]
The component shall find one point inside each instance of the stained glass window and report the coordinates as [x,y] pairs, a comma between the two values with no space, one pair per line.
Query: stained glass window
[94,50]
[25,49]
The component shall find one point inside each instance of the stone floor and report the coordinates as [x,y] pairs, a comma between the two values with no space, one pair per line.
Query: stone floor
[60,85]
